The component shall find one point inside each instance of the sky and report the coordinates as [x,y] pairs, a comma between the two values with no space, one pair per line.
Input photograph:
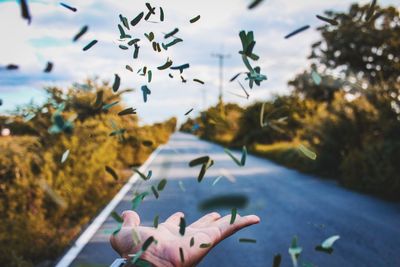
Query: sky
[49,38]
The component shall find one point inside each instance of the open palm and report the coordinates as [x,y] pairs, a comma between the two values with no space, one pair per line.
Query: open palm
[206,233]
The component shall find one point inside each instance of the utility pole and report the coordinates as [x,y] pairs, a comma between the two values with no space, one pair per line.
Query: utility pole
[221,58]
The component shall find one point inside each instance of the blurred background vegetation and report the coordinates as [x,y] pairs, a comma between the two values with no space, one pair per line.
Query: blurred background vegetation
[48,202]
[345,108]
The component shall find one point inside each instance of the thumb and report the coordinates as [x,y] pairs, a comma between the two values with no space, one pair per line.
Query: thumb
[131,219]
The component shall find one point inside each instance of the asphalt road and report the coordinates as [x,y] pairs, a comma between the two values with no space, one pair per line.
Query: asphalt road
[289,203]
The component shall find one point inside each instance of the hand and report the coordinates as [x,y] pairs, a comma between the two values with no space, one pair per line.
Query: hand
[210,229]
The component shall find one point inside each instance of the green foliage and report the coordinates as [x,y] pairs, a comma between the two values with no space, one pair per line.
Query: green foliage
[47,202]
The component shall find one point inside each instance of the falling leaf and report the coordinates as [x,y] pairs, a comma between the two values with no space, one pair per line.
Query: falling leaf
[92,43]
[195,19]
[64,156]
[117,83]
[149,36]
[247,240]
[188,112]
[155,222]
[181,67]
[161,185]
[81,33]
[128,111]
[73,9]
[137,19]
[224,202]
[242,161]
[326,246]
[328,20]
[147,143]
[116,217]
[146,91]
[12,67]
[123,47]
[25,13]
[155,192]
[133,41]
[299,30]
[192,242]
[199,161]
[108,106]
[181,255]
[174,42]
[277,260]
[198,81]
[254,4]
[144,177]
[149,76]
[49,67]
[129,68]
[172,33]
[233,215]
[205,245]
[112,173]
[307,152]
[162,16]
[124,21]
[182,226]
[181,186]
[166,65]
[370,11]
[147,243]
[138,199]
[316,77]
[217,180]
[295,251]
[151,11]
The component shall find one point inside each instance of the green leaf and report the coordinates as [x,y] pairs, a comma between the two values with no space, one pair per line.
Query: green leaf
[247,240]
[307,152]
[199,161]
[205,245]
[162,16]
[147,243]
[123,47]
[138,199]
[25,10]
[129,68]
[181,255]
[73,9]
[328,20]
[90,45]
[277,260]
[198,81]
[299,30]
[227,151]
[112,173]
[124,21]
[192,242]
[181,67]
[172,43]
[116,217]
[255,3]
[144,177]
[233,215]
[117,83]
[155,221]
[133,41]
[146,91]
[316,77]
[64,156]
[295,251]
[136,52]
[155,192]
[326,246]
[161,185]
[137,19]
[182,226]
[189,111]
[244,156]
[150,36]
[166,65]
[108,106]
[149,76]
[195,19]
[172,33]
[128,111]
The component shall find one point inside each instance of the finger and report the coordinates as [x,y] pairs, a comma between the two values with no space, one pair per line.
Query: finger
[227,229]
[130,218]
[175,218]
[206,220]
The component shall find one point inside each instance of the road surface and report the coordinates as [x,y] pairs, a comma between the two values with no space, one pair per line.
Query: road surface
[289,203]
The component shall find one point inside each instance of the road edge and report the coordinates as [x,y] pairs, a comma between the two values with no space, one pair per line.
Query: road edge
[88,233]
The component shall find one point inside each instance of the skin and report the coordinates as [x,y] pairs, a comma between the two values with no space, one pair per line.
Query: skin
[211,228]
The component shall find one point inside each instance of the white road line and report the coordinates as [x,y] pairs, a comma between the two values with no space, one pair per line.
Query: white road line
[85,237]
